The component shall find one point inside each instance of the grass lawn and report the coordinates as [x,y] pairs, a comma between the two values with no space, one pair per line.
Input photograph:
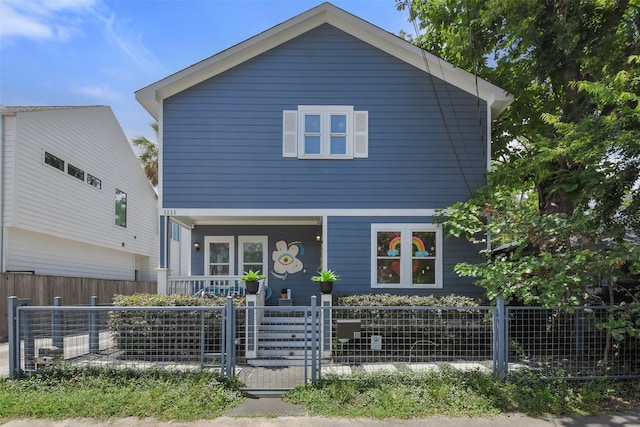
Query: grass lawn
[104,393]
[462,394]
[109,393]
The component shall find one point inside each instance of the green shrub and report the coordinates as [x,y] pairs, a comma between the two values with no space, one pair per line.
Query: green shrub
[384,300]
[165,335]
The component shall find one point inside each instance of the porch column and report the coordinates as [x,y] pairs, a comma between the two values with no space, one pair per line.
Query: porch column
[163,259]
[162,281]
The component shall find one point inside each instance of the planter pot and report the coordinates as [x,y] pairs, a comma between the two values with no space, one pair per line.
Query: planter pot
[326,287]
[252,287]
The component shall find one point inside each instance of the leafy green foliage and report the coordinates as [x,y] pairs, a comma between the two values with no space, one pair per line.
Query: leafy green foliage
[252,276]
[449,392]
[326,276]
[390,300]
[104,393]
[148,156]
[564,187]
[165,334]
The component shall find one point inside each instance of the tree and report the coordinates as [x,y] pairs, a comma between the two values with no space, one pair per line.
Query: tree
[148,156]
[564,186]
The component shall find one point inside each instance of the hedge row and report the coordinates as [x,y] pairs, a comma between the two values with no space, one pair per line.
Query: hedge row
[164,335]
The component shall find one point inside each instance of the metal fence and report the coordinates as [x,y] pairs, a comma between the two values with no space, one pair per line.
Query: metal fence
[278,348]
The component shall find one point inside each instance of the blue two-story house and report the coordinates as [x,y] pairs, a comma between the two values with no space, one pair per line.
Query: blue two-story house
[324,142]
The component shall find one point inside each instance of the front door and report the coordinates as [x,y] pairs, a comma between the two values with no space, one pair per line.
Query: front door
[221,255]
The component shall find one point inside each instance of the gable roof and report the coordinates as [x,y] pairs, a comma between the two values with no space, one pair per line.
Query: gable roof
[326,13]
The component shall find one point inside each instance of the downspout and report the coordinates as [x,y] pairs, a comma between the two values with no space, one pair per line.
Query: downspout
[2,260]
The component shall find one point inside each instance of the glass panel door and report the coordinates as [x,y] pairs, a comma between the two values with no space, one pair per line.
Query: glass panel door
[219,256]
[252,253]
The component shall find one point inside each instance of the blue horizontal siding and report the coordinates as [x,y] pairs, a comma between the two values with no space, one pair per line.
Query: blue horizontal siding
[350,254]
[222,141]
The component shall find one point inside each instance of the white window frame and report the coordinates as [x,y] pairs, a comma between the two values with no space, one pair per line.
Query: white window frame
[254,239]
[230,240]
[325,113]
[357,133]
[406,260]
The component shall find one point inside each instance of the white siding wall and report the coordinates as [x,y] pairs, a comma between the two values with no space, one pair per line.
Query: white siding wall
[8,167]
[51,202]
[180,254]
[50,255]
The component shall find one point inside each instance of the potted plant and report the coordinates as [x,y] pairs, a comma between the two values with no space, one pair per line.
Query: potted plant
[326,279]
[251,279]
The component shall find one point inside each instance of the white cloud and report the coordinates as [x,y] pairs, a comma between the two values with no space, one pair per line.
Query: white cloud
[131,44]
[41,19]
[101,92]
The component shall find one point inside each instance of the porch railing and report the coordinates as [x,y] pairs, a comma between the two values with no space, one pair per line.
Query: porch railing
[206,285]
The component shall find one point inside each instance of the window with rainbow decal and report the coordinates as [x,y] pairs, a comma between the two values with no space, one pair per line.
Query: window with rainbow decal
[406,256]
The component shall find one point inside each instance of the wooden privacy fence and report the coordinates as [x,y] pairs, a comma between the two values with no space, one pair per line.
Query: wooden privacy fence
[73,291]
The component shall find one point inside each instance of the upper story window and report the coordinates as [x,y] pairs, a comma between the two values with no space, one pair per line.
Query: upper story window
[406,256]
[54,161]
[93,181]
[325,132]
[121,208]
[175,231]
[75,172]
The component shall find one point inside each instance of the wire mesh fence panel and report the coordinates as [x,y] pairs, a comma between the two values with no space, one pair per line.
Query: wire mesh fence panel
[166,337]
[557,343]
[416,338]
[277,346]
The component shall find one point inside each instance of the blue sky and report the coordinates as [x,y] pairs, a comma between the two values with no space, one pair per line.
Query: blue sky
[99,52]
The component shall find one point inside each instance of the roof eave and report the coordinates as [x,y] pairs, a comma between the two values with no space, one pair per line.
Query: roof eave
[151,96]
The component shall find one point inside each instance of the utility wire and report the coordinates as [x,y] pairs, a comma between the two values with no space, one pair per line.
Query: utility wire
[412,16]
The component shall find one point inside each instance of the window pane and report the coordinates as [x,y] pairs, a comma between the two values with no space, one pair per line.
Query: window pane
[388,244]
[121,208]
[219,270]
[312,145]
[252,253]
[218,253]
[388,253]
[312,123]
[388,271]
[338,145]
[423,244]
[92,180]
[75,172]
[424,271]
[54,161]
[338,123]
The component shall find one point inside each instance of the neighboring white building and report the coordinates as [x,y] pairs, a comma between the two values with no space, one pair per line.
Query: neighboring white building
[75,200]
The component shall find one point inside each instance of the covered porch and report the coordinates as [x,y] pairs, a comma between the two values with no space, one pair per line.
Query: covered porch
[288,250]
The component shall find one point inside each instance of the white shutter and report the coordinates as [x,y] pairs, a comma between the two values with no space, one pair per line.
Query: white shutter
[361,134]
[290,133]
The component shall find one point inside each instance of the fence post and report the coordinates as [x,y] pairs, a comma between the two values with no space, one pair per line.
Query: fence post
[57,337]
[94,338]
[326,301]
[500,367]
[251,326]
[314,339]
[14,334]
[229,339]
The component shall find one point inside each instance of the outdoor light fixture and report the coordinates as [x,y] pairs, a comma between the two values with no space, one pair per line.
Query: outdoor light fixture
[196,246]
[318,237]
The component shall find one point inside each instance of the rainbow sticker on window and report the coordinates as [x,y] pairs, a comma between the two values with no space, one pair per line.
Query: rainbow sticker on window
[417,242]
